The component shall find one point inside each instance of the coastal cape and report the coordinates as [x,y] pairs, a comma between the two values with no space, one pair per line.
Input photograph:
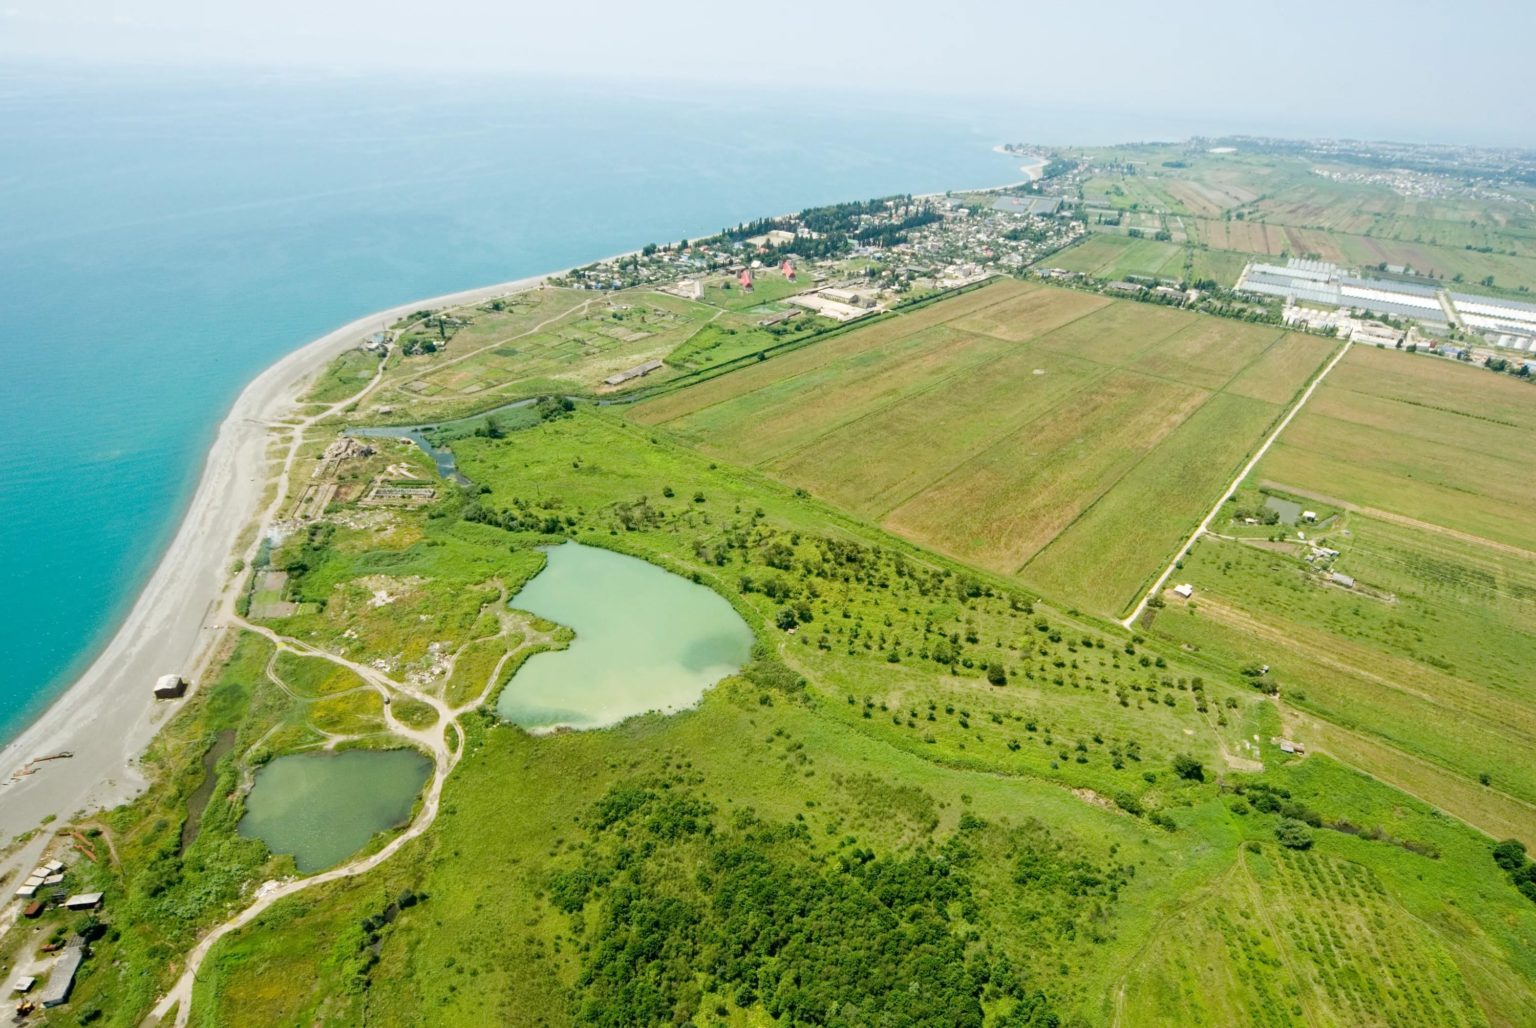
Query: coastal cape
[109,715]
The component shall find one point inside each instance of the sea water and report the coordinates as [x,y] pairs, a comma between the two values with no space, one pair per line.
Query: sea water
[163,239]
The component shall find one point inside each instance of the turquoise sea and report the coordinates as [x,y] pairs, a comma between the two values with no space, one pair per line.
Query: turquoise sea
[163,238]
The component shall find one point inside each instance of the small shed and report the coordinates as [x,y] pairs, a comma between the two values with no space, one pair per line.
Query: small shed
[1309,515]
[1338,578]
[54,866]
[169,687]
[1286,746]
[84,901]
[27,891]
[24,983]
[1185,590]
[33,909]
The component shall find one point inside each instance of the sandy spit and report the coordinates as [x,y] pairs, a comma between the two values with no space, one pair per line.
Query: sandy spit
[108,716]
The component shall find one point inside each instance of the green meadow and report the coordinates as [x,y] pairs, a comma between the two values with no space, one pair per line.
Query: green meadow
[947,787]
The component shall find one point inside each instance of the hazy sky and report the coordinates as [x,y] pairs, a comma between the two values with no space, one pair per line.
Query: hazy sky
[1457,71]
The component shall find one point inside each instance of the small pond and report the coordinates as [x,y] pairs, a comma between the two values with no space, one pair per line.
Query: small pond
[646,639]
[1289,510]
[324,807]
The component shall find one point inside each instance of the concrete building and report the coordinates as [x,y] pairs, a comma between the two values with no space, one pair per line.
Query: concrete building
[61,979]
[1319,282]
[820,303]
[628,374]
[169,687]
[1494,316]
[849,297]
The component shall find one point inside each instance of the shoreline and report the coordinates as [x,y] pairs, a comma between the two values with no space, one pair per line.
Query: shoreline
[107,717]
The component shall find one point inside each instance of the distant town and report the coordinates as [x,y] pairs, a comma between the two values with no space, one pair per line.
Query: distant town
[853,260]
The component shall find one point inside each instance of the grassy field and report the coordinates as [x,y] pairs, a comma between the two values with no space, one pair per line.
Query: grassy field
[548,341]
[1113,257]
[1233,205]
[1420,671]
[939,797]
[1039,431]
[832,775]
[1424,439]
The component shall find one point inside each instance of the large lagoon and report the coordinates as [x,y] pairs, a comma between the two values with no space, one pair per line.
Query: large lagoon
[646,639]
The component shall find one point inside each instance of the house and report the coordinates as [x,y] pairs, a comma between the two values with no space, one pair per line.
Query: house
[169,687]
[83,901]
[1186,590]
[1309,515]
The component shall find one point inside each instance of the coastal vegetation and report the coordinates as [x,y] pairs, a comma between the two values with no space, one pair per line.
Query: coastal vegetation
[944,784]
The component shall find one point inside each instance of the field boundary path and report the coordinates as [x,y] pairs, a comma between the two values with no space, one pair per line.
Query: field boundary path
[1253,462]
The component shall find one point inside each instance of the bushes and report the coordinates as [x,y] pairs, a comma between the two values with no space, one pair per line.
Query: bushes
[1293,834]
[1510,855]
[1189,768]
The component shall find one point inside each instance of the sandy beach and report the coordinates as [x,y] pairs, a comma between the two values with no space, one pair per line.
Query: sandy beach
[108,716]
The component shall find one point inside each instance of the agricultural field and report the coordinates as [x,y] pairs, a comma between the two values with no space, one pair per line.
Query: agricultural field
[1290,207]
[866,771]
[1107,256]
[935,787]
[1041,431]
[1416,665]
[1420,438]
